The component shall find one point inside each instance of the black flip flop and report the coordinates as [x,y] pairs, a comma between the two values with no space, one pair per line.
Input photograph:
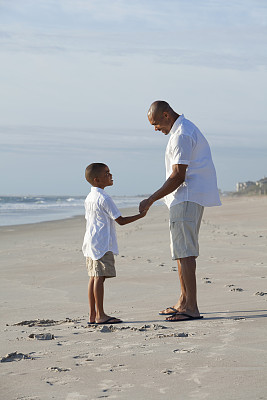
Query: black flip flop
[109,321]
[188,318]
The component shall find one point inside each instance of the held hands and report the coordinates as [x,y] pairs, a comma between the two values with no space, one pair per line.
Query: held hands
[143,214]
[144,206]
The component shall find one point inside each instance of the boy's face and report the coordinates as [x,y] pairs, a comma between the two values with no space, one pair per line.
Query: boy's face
[104,178]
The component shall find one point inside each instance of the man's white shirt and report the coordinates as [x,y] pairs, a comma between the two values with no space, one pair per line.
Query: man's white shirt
[100,215]
[188,146]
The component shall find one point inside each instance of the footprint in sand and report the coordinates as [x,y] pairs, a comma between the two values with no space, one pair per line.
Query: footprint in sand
[45,322]
[42,336]
[109,386]
[111,368]
[15,356]
[167,371]
[61,381]
[206,280]
[83,359]
[181,351]
[58,369]
[238,289]
[260,294]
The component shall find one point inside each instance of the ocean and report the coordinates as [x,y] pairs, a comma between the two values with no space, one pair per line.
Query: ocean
[19,210]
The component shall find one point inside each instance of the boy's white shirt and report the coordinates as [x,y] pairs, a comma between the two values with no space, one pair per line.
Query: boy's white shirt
[100,215]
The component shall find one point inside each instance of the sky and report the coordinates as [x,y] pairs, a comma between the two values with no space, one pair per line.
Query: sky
[77,78]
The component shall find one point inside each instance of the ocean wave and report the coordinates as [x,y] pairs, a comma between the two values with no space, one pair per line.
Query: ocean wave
[16,210]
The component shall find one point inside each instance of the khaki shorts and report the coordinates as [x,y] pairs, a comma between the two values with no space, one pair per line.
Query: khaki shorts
[105,266]
[185,219]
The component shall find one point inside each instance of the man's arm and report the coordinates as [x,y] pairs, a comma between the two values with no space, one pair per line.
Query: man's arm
[176,178]
[127,220]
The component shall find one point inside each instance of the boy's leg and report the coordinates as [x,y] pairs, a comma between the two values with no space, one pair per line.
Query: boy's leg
[101,317]
[91,298]
[99,297]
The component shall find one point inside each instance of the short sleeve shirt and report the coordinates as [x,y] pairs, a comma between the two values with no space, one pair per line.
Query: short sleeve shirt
[100,215]
[188,146]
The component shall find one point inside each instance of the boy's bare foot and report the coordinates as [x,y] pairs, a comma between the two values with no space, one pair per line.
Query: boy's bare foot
[92,318]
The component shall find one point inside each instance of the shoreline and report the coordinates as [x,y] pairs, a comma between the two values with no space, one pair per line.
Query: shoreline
[35,209]
[135,209]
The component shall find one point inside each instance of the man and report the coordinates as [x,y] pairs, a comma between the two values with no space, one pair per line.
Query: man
[190,185]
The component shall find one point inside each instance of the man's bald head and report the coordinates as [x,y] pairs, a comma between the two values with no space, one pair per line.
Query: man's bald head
[162,116]
[157,109]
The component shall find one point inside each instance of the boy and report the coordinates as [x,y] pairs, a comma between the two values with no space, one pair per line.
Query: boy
[100,242]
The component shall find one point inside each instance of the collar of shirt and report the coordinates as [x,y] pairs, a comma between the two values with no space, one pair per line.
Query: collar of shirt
[97,189]
[176,124]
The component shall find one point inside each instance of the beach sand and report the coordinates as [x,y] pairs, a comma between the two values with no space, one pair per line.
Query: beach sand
[49,352]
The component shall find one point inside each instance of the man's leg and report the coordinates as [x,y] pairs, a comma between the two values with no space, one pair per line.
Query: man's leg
[188,275]
[188,267]
[181,303]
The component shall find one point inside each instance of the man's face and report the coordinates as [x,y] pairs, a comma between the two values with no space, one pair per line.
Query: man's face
[105,178]
[162,124]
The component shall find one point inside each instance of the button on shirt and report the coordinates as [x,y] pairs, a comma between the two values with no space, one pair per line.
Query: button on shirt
[188,146]
[100,235]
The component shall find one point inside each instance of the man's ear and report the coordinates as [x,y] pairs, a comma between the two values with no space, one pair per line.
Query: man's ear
[96,180]
[165,115]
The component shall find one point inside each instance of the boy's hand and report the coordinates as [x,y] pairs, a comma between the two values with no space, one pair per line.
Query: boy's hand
[145,205]
[143,213]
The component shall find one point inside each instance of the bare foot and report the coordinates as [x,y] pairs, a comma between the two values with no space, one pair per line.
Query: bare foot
[172,310]
[92,318]
[168,311]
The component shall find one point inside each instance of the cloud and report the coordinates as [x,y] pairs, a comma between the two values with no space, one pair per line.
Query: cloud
[227,35]
[53,141]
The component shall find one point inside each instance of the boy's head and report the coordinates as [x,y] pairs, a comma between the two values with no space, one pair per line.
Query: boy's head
[98,175]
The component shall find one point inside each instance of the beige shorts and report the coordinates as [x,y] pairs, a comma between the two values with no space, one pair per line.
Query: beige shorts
[185,219]
[105,266]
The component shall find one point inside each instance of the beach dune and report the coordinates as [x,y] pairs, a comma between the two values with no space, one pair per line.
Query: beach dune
[48,351]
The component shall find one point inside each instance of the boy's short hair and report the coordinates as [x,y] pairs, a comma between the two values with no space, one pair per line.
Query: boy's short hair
[92,171]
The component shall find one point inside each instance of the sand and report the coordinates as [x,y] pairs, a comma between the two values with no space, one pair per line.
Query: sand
[49,352]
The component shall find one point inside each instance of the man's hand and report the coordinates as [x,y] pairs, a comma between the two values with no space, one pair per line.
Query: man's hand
[143,214]
[176,179]
[145,205]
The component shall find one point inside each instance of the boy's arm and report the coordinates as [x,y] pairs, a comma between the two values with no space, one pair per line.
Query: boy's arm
[127,220]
